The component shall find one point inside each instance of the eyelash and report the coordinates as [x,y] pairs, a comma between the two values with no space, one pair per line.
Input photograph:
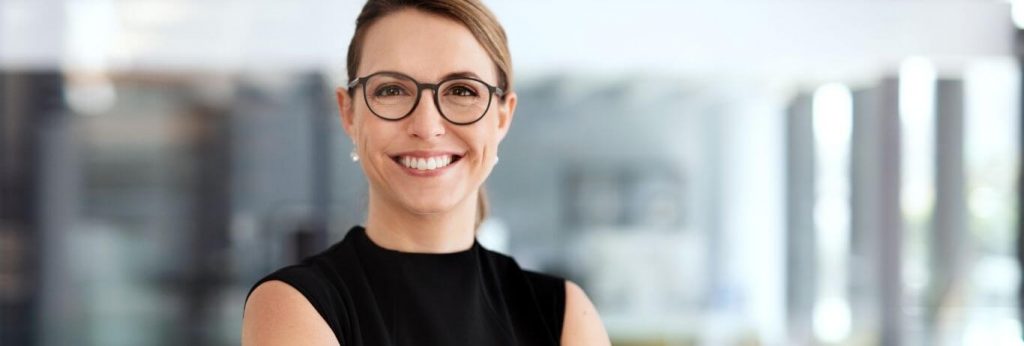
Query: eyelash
[385,89]
[463,88]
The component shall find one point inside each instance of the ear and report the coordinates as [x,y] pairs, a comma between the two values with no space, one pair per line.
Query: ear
[347,111]
[506,111]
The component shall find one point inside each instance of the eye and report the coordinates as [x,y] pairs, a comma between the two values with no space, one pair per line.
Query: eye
[389,90]
[462,90]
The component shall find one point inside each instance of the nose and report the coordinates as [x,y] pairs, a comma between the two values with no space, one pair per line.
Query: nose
[426,121]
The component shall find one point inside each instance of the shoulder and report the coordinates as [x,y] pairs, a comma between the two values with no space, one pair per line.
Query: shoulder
[582,324]
[276,313]
[548,289]
[564,304]
[545,284]
[307,302]
[297,302]
[549,294]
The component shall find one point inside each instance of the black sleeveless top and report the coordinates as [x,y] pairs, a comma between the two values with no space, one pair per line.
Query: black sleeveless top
[370,295]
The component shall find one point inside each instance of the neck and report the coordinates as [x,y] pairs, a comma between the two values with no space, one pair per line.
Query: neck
[396,228]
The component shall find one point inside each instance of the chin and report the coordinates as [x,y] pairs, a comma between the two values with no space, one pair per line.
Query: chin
[427,205]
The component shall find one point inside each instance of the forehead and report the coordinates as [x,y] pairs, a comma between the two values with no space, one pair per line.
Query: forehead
[424,46]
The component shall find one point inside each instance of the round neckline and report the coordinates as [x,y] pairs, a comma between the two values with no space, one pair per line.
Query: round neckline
[365,238]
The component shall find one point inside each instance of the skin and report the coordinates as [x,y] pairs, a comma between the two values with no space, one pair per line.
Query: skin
[409,213]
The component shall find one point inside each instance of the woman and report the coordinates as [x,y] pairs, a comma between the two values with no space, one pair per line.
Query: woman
[429,101]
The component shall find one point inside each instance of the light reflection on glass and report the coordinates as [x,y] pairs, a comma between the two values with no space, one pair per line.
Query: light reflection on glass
[917,124]
[991,168]
[832,123]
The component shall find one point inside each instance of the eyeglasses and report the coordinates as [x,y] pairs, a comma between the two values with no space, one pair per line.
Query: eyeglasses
[393,96]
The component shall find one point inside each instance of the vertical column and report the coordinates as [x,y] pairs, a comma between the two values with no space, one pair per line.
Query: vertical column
[313,237]
[949,223]
[876,229]
[800,235]
[890,214]
[1018,45]
[1018,50]
[211,153]
[865,223]
[29,101]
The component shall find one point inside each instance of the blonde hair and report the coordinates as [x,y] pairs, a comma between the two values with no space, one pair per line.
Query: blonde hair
[471,13]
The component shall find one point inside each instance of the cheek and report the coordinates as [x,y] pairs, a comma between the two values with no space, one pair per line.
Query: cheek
[372,139]
[372,131]
[485,147]
[482,141]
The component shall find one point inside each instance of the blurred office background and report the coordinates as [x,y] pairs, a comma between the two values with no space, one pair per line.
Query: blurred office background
[741,172]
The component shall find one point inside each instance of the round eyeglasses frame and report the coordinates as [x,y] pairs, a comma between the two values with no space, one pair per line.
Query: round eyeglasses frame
[491,91]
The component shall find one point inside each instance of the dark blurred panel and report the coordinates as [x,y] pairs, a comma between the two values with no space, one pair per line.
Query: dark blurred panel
[206,261]
[30,105]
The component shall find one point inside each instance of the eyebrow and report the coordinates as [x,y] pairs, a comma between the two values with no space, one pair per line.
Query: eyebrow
[456,74]
[461,74]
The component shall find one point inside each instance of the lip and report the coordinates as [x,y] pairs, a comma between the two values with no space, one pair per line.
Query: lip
[425,154]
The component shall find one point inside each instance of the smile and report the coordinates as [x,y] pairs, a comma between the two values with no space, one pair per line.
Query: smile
[420,164]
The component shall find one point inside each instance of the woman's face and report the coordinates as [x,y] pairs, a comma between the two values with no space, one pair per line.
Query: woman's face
[427,48]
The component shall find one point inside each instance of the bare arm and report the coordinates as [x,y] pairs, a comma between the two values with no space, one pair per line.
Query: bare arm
[582,324]
[277,314]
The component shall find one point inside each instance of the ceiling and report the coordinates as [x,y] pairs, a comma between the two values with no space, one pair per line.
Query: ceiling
[695,37]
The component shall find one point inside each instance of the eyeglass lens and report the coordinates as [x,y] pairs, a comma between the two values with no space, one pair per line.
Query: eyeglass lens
[459,100]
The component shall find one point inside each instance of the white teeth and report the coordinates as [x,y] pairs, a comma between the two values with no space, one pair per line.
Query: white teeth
[426,164]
